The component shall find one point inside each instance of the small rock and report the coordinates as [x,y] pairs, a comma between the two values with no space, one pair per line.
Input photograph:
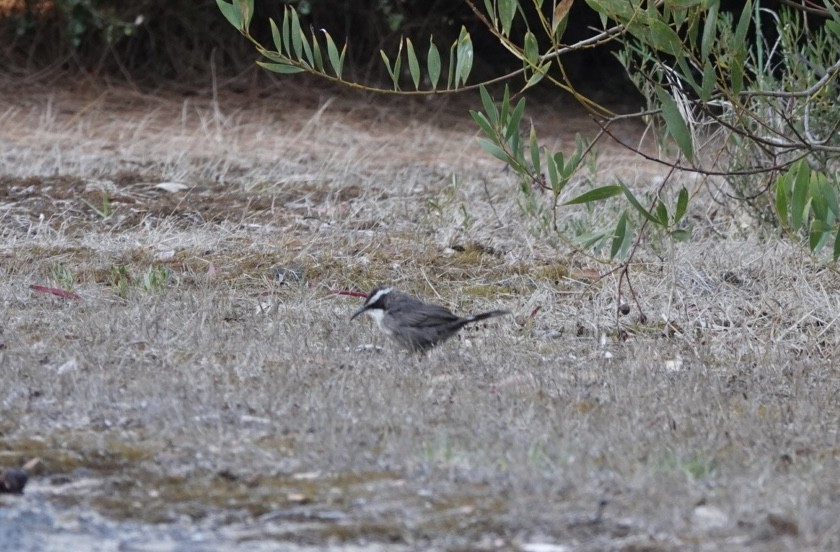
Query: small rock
[13,481]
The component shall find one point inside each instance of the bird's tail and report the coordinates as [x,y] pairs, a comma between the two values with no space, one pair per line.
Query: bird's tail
[486,315]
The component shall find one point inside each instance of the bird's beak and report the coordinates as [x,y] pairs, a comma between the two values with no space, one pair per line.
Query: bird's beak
[358,312]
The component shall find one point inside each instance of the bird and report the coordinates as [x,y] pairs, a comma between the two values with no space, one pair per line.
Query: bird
[412,323]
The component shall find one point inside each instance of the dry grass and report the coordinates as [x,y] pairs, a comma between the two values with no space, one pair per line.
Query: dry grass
[218,392]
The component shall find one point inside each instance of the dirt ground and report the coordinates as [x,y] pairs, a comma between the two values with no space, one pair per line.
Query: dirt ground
[175,348]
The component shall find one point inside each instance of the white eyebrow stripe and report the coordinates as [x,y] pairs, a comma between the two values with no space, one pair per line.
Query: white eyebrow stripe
[378,295]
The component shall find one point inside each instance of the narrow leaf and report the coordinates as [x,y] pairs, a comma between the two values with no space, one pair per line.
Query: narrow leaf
[332,53]
[535,151]
[283,68]
[553,177]
[619,236]
[297,34]
[675,123]
[743,24]
[799,199]
[413,63]
[389,68]
[485,125]
[782,200]
[682,205]
[709,31]
[316,52]
[433,63]
[231,13]
[708,81]
[837,245]
[507,11]
[638,206]
[598,194]
[465,58]
[681,235]
[532,49]
[537,76]
[246,11]
[489,105]
[275,36]
[493,149]
[662,213]
[515,119]
[286,31]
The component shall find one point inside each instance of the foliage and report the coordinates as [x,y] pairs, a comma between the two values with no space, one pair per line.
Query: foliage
[748,96]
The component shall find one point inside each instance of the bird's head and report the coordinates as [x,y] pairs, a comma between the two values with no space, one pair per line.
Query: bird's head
[375,304]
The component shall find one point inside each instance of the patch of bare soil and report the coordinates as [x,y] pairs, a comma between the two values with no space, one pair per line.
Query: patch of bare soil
[173,348]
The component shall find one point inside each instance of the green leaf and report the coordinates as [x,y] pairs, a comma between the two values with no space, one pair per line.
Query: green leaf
[553,178]
[682,205]
[465,58]
[485,125]
[819,203]
[799,200]
[538,75]
[450,77]
[709,31]
[743,25]
[681,235]
[662,213]
[535,150]
[503,115]
[836,254]
[389,68]
[316,52]
[532,49]
[708,81]
[782,199]
[398,66]
[231,13]
[675,123]
[664,38]
[283,68]
[818,235]
[736,71]
[286,31]
[433,63]
[638,206]
[246,10]
[507,11]
[297,34]
[307,49]
[332,53]
[493,149]
[598,194]
[489,106]
[490,10]
[275,36]
[621,238]
[515,119]
[413,64]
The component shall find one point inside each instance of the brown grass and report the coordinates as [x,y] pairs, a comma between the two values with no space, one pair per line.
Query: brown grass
[197,388]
